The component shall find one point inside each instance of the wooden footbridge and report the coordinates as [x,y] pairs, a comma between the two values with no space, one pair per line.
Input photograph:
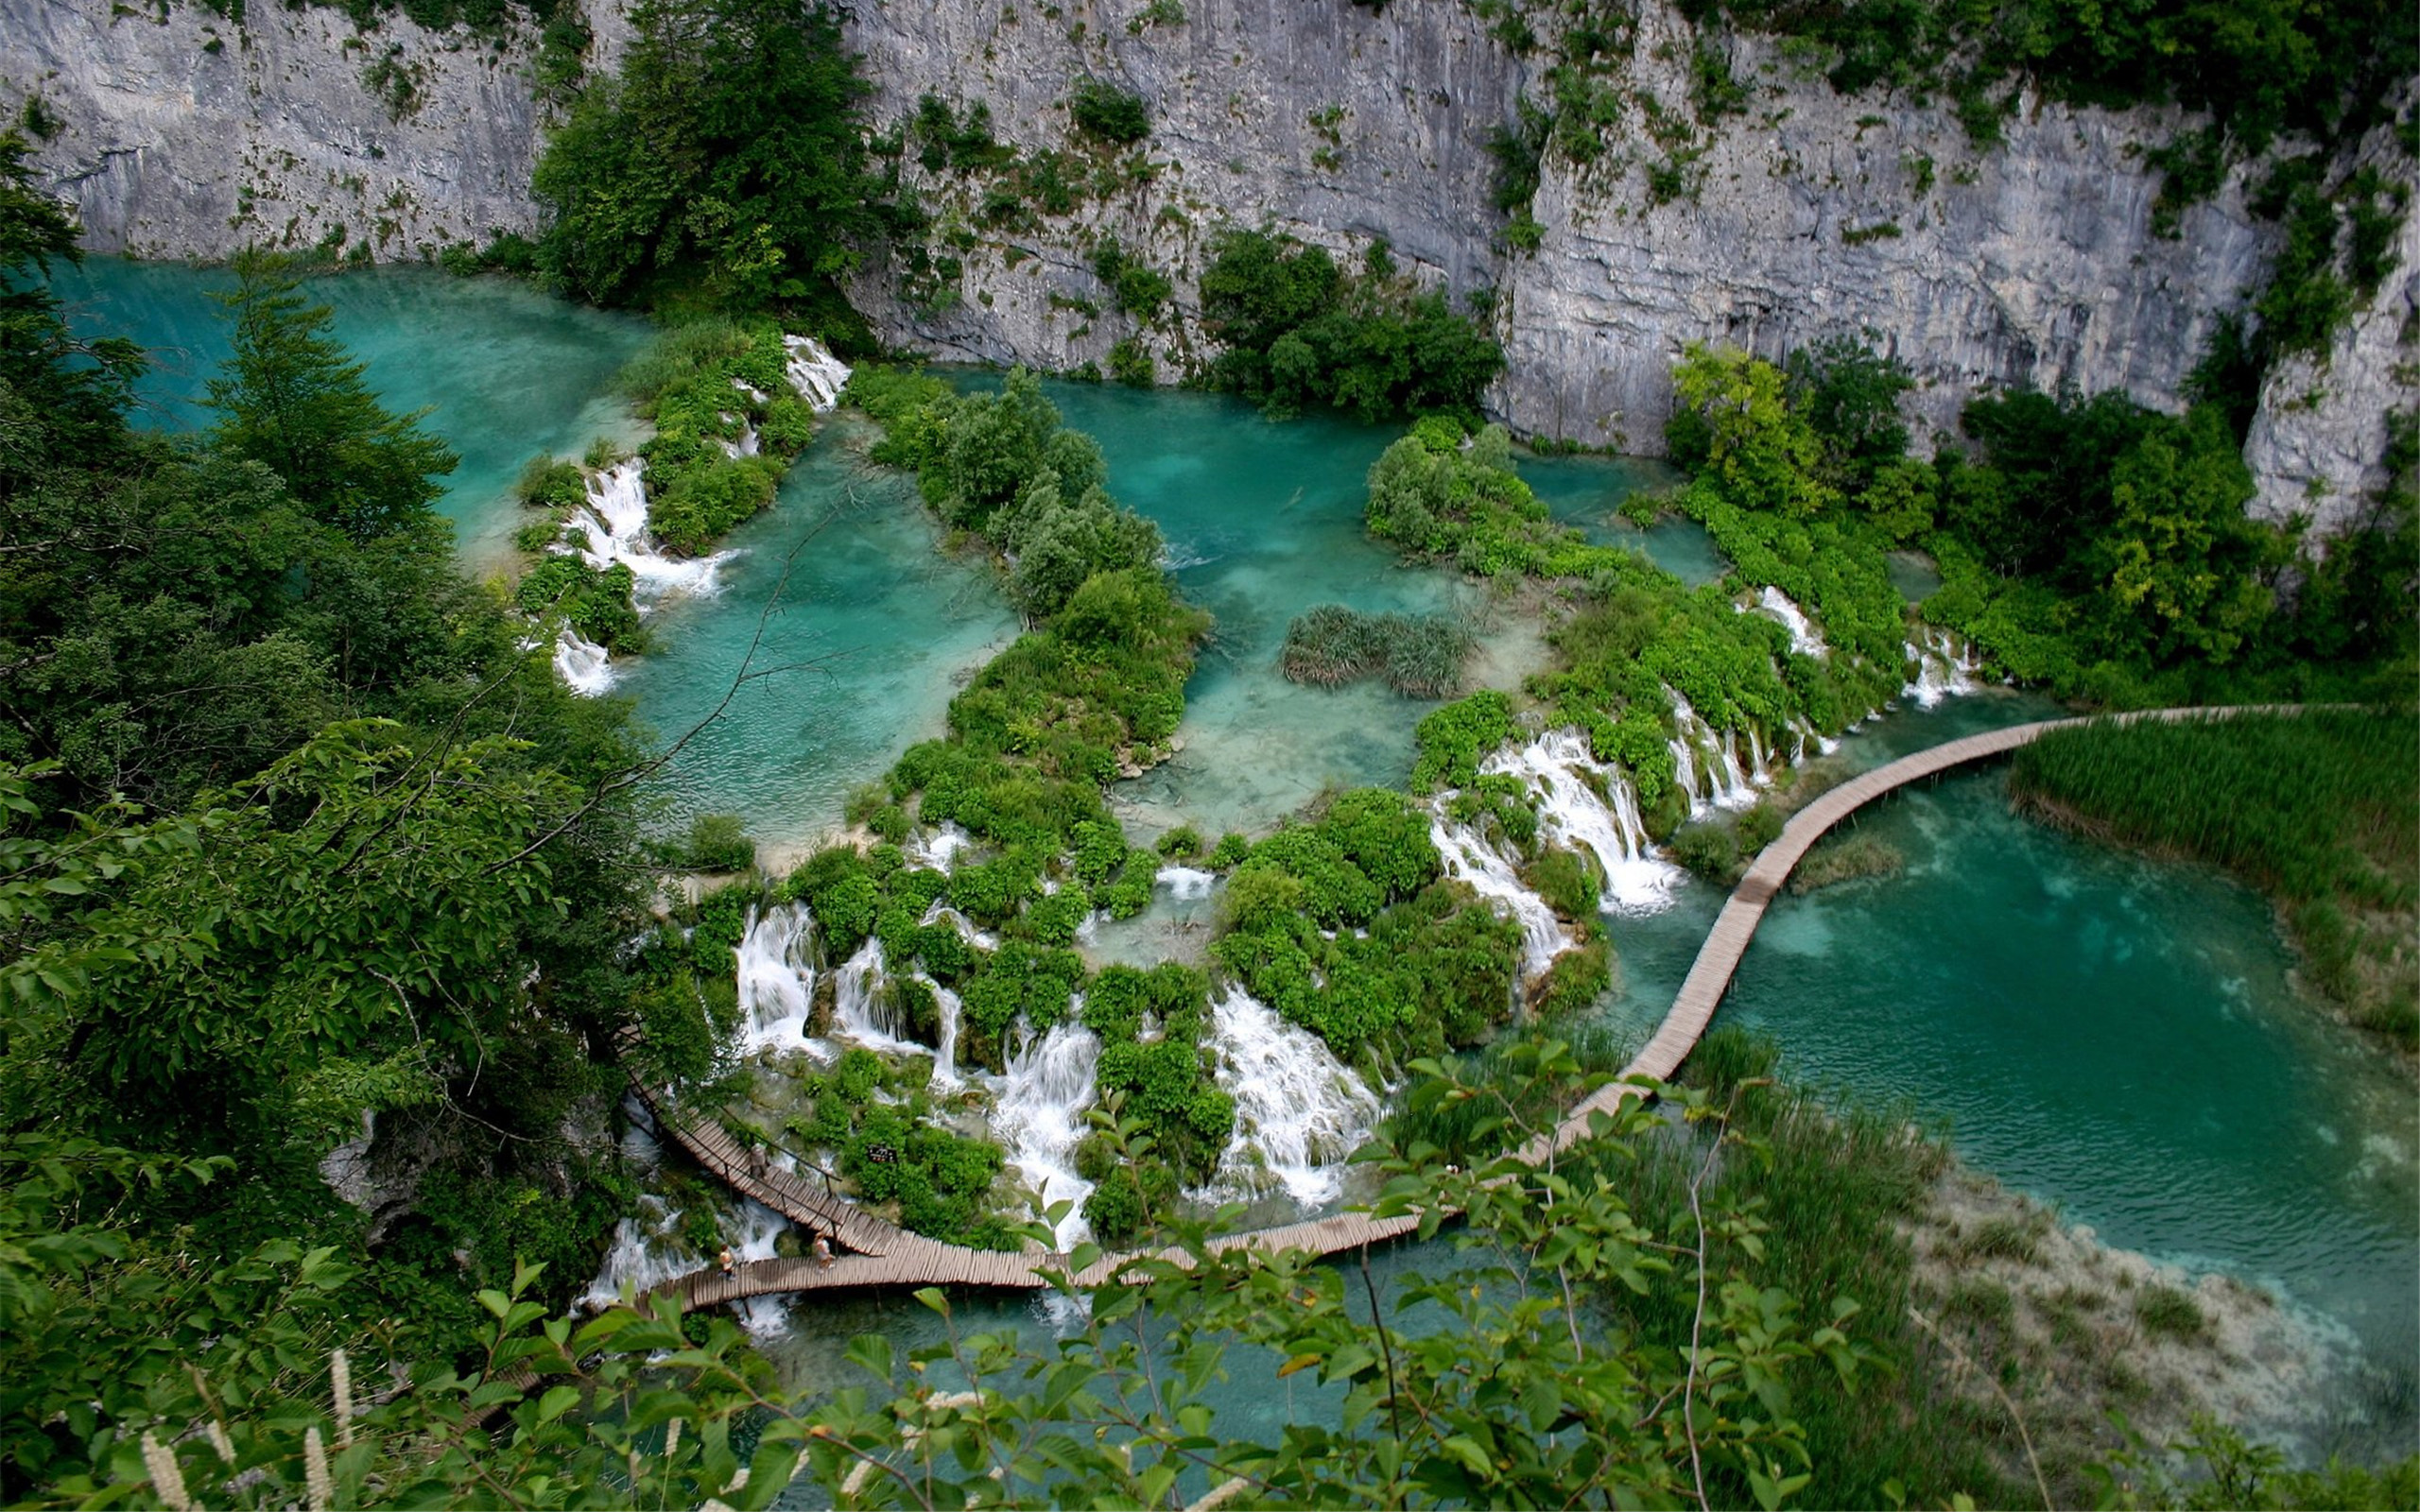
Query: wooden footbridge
[870,1251]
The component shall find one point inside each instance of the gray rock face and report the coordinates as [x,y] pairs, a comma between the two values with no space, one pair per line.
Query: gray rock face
[1806,215]
[186,135]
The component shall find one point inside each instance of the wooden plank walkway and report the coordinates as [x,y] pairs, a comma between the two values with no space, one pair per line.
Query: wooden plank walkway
[878,1253]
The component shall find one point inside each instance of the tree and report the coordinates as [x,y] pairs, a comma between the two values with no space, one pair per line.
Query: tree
[292,400]
[728,153]
[1765,452]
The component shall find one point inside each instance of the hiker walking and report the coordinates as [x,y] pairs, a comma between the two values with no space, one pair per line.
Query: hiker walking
[726,1259]
[822,1253]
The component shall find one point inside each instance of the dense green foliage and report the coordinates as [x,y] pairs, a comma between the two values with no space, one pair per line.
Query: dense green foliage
[293,830]
[1170,1121]
[1099,108]
[2318,810]
[894,1153]
[689,384]
[596,603]
[2259,67]
[726,160]
[1297,330]
[1419,656]
[1415,964]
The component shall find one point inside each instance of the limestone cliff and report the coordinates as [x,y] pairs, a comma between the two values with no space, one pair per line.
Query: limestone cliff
[1802,215]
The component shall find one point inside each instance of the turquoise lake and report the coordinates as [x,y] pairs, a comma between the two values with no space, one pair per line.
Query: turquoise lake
[2119,1037]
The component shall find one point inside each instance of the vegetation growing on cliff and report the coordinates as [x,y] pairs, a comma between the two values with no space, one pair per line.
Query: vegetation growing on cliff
[1299,330]
[726,162]
[2318,810]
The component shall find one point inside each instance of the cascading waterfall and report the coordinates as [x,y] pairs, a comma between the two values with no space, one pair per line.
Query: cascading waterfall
[1707,762]
[1805,638]
[946,1052]
[1038,1116]
[585,667]
[1470,859]
[1559,765]
[777,979]
[760,1230]
[857,1009]
[1299,1112]
[1946,668]
[941,913]
[613,525]
[818,375]
[1186,883]
[940,850]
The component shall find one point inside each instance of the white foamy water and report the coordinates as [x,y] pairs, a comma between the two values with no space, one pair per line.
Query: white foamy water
[1470,859]
[776,978]
[1805,638]
[1038,1117]
[858,1012]
[1707,762]
[1299,1112]
[945,1053]
[818,375]
[1558,766]
[1186,884]
[759,1228]
[585,667]
[1946,668]
[938,851]
[941,913]
[612,525]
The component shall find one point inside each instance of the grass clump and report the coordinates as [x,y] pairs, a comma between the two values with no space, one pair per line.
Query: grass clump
[2168,1312]
[2318,810]
[1419,656]
[1845,858]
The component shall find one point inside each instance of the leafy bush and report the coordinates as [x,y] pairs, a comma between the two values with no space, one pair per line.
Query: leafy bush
[1297,330]
[551,483]
[718,842]
[1103,110]
[596,603]
[1454,739]
[1139,288]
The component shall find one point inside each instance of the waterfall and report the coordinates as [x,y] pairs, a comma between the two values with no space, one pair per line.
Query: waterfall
[939,850]
[612,523]
[760,1228]
[1725,786]
[1038,1115]
[1186,884]
[1805,638]
[776,978]
[941,913]
[1470,859]
[1559,766]
[1945,667]
[584,666]
[818,375]
[858,1012]
[1299,1113]
[946,1052]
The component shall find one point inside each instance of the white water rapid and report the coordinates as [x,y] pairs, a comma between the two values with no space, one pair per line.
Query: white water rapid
[1299,1112]
[1707,762]
[1038,1116]
[945,1053]
[1470,859]
[818,375]
[1805,638]
[585,667]
[1559,766]
[1186,883]
[1946,668]
[612,523]
[777,979]
[857,1009]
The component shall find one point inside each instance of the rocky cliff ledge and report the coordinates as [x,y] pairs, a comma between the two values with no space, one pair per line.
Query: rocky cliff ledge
[1804,213]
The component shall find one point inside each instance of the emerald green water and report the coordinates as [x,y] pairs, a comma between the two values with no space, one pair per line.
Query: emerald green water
[505,371]
[2119,1037]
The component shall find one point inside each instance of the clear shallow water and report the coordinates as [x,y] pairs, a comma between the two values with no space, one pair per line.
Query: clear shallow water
[1263,520]
[875,630]
[505,371]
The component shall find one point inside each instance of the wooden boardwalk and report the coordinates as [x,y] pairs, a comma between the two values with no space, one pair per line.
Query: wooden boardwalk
[872,1252]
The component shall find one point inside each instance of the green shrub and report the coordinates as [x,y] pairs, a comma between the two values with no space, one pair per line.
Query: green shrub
[1453,740]
[551,483]
[1103,110]
[1130,363]
[718,842]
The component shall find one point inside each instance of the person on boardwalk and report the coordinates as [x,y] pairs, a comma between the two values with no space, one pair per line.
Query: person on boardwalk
[822,1253]
[726,1259]
[757,1161]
